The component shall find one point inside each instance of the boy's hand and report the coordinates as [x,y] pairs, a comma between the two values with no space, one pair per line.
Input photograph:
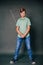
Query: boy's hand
[23,35]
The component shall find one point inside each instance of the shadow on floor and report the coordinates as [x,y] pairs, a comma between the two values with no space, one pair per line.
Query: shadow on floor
[22,60]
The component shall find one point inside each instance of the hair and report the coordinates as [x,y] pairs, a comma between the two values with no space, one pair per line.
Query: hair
[22,9]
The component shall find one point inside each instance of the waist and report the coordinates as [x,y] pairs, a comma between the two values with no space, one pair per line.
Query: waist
[25,36]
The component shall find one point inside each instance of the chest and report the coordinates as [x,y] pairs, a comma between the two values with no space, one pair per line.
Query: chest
[23,23]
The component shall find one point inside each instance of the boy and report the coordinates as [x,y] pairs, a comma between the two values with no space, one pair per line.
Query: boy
[23,30]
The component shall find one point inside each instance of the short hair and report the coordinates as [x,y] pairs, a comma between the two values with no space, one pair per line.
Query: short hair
[22,9]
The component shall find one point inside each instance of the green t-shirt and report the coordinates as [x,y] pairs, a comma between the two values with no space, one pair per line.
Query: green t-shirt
[23,23]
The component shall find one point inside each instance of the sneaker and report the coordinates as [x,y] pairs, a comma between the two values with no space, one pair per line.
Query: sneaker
[33,62]
[13,61]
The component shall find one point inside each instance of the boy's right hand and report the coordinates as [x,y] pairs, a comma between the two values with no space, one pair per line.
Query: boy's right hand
[22,35]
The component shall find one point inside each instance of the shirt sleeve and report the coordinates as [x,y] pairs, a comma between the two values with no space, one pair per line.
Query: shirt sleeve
[17,23]
[28,22]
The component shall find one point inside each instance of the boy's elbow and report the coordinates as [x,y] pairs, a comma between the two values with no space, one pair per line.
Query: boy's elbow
[17,28]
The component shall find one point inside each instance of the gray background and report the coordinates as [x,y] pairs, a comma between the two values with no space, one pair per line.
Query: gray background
[9,13]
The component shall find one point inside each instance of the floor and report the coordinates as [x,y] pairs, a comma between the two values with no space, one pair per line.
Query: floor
[23,59]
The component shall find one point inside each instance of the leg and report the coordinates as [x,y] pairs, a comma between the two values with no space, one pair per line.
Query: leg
[27,42]
[19,42]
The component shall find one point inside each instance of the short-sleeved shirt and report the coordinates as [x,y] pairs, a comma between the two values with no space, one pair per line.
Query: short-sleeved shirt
[23,23]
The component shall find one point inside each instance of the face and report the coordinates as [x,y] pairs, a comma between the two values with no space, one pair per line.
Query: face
[22,14]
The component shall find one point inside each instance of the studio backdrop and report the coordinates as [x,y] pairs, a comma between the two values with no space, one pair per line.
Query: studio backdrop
[9,14]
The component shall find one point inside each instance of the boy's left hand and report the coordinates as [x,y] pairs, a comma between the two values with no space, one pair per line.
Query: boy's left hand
[23,35]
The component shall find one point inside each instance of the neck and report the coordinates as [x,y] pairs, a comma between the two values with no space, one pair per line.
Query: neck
[22,17]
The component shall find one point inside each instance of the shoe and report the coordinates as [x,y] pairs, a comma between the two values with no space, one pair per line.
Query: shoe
[13,61]
[33,62]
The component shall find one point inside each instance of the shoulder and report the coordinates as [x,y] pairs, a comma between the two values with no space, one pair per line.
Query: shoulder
[28,21]
[18,19]
[27,18]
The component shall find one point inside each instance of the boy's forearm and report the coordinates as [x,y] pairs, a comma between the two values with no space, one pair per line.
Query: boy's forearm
[17,30]
[27,31]
[19,33]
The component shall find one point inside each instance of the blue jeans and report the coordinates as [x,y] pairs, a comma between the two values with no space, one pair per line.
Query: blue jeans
[19,42]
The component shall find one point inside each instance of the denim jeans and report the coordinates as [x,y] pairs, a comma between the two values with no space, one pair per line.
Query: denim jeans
[19,43]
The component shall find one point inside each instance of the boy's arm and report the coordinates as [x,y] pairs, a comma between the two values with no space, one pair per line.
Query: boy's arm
[27,31]
[17,30]
[21,34]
